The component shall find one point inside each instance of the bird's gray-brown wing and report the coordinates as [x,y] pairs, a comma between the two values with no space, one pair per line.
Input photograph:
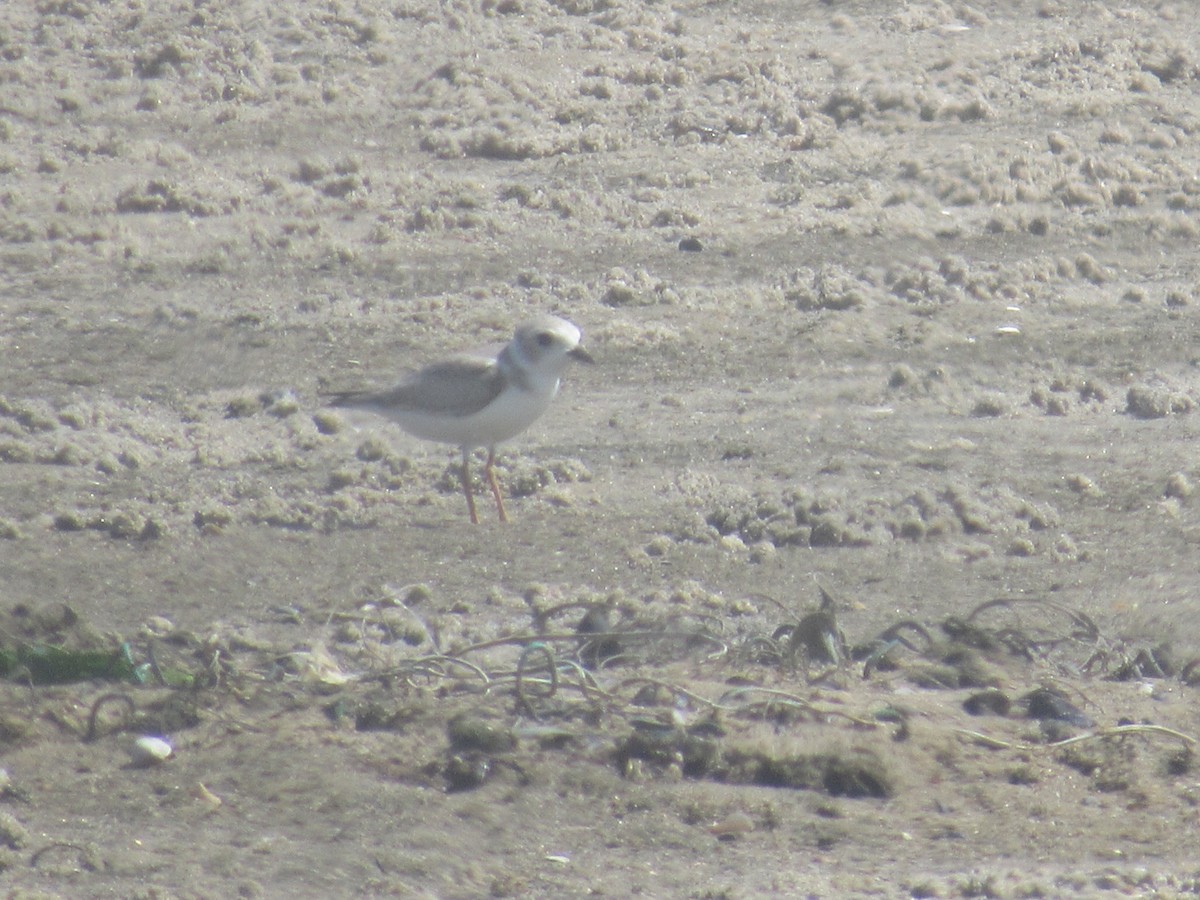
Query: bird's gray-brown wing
[458,386]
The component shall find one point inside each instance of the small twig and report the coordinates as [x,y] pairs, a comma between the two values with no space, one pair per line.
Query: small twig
[212,668]
[1114,731]
[1092,631]
[892,634]
[455,660]
[542,616]
[587,682]
[790,613]
[1119,730]
[878,654]
[758,647]
[522,700]
[104,700]
[592,636]
[996,743]
[674,688]
[84,854]
[793,700]
[154,663]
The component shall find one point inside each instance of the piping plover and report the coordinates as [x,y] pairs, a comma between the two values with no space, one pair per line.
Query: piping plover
[480,400]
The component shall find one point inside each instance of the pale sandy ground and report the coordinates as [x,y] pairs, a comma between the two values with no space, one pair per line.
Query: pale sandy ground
[938,347]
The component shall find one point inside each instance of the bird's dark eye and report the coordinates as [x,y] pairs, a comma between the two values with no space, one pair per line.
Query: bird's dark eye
[545,339]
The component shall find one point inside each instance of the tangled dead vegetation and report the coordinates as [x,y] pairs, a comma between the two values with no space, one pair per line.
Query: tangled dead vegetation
[679,697]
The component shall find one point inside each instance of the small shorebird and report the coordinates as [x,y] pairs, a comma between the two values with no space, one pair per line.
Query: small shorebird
[480,401]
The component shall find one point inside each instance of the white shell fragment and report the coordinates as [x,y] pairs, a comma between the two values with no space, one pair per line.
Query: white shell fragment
[150,751]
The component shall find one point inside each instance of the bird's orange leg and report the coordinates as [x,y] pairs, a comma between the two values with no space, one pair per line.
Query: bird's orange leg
[466,483]
[495,485]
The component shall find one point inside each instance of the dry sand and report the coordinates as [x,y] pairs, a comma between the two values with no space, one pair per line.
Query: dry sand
[898,300]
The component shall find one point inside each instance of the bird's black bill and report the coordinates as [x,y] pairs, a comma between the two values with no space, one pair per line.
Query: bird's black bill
[581,355]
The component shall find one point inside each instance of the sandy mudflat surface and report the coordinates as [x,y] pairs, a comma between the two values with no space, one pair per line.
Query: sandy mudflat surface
[894,301]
